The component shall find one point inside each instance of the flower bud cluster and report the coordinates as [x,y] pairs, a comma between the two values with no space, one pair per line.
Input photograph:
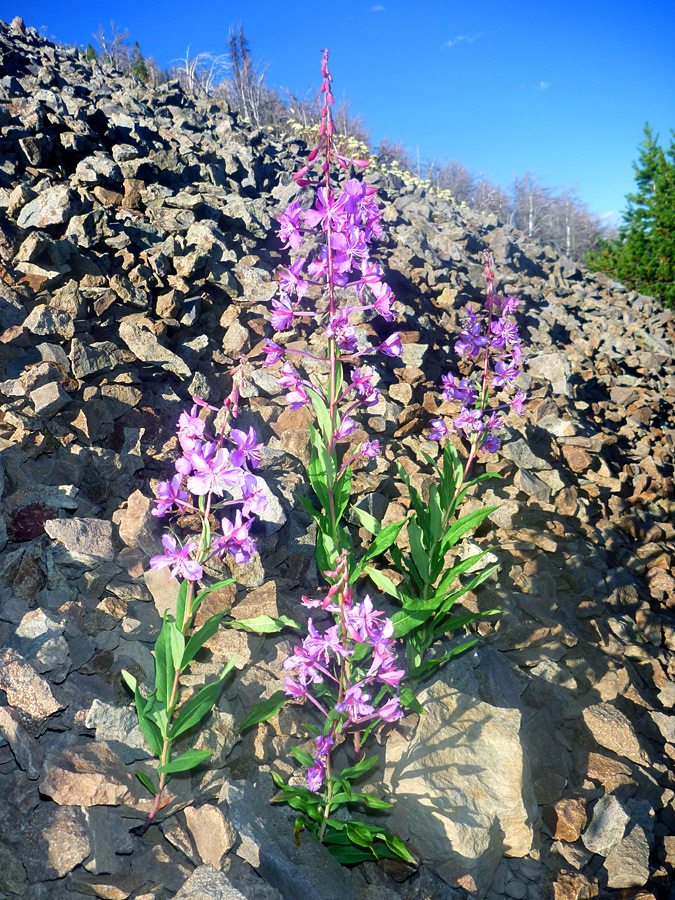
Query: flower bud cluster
[208,469]
[326,658]
[491,334]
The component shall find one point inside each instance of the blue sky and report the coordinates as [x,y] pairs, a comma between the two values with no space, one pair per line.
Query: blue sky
[561,89]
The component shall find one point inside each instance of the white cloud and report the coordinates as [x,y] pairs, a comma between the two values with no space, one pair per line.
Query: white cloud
[467,38]
[377,8]
[543,86]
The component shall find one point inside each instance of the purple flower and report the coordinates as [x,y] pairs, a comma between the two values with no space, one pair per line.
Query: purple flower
[297,397]
[253,496]
[518,401]
[355,704]
[490,443]
[371,449]
[295,689]
[289,377]
[461,390]
[505,374]
[273,352]
[235,539]
[213,475]
[346,427]
[509,306]
[284,313]
[316,775]
[179,558]
[190,429]
[321,646]
[170,494]
[383,300]
[505,333]
[392,346]
[247,449]
[288,232]
[391,711]
[470,340]
[324,744]
[329,212]
[290,281]
[469,421]
[352,197]
[439,430]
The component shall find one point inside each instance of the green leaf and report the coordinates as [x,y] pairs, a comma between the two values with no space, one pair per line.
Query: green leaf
[302,757]
[397,847]
[164,668]
[150,731]
[318,479]
[186,761]
[434,519]
[452,623]
[432,664]
[197,707]
[419,554]
[196,603]
[414,496]
[322,413]
[385,583]
[181,601]
[383,541]
[372,802]
[360,768]
[309,507]
[263,624]
[409,701]
[147,782]
[458,569]
[177,643]
[199,638]
[342,492]
[370,523]
[264,710]
[465,523]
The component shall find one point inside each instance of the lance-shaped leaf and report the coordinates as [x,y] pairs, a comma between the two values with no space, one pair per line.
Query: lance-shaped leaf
[186,761]
[302,757]
[432,664]
[385,583]
[342,492]
[370,523]
[197,707]
[185,586]
[264,624]
[264,710]
[465,523]
[322,413]
[206,591]
[164,667]
[360,768]
[147,782]
[150,730]
[382,542]
[199,638]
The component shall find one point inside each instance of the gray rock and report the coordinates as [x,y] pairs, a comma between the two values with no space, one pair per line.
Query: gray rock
[83,537]
[27,692]
[48,400]
[45,320]
[462,787]
[98,169]
[303,871]
[611,729]
[627,864]
[607,825]
[25,748]
[143,343]
[554,367]
[87,359]
[207,883]
[53,841]
[211,830]
[119,728]
[52,207]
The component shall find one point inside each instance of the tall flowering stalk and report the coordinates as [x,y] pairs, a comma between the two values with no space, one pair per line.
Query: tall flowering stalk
[490,346]
[347,670]
[213,479]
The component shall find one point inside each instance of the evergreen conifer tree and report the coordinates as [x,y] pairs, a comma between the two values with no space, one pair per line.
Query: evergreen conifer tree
[643,256]
[138,65]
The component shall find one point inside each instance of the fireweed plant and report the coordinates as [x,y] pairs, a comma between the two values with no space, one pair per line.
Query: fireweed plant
[347,671]
[489,345]
[213,478]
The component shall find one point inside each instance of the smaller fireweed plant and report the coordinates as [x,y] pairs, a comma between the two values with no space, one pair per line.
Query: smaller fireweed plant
[213,479]
[489,345]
